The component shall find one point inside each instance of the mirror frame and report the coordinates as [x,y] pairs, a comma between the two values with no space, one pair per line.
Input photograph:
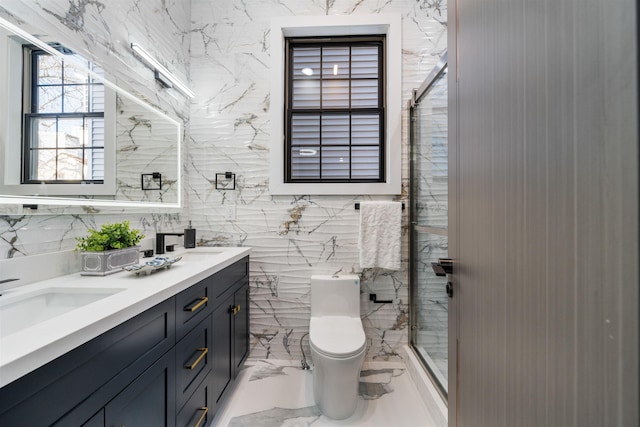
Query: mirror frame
[89,200]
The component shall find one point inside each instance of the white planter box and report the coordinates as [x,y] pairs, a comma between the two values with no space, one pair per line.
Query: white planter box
[108,262]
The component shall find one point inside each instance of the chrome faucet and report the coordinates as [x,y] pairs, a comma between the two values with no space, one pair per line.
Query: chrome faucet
[160,241]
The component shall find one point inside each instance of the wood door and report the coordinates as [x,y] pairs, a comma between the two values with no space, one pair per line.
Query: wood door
[544,212]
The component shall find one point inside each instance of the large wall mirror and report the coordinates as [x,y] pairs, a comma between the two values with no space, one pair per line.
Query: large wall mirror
[70,135]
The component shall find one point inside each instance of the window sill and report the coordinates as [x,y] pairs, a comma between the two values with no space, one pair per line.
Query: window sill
[330,189]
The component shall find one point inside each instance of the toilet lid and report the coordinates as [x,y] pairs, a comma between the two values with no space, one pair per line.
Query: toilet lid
[337,336]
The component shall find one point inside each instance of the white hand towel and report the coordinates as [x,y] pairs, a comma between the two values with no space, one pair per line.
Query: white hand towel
[380,234]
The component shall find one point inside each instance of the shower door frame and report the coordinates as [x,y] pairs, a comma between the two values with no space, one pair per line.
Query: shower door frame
[417,96]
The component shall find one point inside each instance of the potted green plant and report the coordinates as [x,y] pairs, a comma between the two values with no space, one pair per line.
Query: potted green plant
[108,250]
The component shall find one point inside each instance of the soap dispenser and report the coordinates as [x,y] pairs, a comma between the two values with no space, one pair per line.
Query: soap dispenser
[189,237]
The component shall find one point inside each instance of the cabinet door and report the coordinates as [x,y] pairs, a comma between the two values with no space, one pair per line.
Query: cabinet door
[221,368]
[72,388]
[240,328]
[149,400]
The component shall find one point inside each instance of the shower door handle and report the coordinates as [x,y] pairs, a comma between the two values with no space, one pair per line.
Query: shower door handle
[443,267]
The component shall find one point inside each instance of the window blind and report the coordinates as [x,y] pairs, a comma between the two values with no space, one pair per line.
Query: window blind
[335,111]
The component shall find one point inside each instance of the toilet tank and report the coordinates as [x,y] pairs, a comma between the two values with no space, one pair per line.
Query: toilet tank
[337,295]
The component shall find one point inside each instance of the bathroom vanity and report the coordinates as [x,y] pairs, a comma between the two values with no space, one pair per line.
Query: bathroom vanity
[162,350]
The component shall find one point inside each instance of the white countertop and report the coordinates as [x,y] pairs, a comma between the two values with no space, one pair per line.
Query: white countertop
[28,349]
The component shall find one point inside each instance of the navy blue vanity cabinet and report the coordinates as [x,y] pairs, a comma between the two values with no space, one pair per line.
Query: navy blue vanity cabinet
[171,365]
[208,348]
[71,389]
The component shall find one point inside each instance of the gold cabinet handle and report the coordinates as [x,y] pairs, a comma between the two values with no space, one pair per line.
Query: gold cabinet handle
[235,309]
[203,352]
[204,410]
[203,301]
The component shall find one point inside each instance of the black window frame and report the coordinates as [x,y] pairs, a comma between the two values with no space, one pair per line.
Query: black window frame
[378,40]
[30,95]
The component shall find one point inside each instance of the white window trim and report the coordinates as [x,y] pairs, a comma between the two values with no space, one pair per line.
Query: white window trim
[11,78]
[347,25]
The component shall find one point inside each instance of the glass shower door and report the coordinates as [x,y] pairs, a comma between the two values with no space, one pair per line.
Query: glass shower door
[429,214]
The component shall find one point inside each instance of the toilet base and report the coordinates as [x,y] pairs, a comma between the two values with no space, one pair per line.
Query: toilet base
[336,384]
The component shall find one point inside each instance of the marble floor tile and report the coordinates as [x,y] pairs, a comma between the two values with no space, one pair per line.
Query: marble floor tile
[280,394]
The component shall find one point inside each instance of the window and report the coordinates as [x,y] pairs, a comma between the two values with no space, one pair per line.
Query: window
[335,109]
[353,175]
[63,128]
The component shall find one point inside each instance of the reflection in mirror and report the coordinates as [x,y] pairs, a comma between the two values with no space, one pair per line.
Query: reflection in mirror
[146,144]
[73,137]
[63,135]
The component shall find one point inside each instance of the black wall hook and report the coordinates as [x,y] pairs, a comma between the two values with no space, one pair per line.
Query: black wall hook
[357,206]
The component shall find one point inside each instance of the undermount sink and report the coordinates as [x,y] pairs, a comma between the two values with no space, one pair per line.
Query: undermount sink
[22,311]
[203,253]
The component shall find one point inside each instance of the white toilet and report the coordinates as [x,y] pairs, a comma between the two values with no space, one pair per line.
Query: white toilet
[337,342]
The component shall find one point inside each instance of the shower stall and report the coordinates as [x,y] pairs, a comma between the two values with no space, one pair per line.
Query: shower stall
[428,224]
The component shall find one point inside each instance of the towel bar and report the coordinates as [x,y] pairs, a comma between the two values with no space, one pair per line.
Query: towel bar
[357,207]
[374,298]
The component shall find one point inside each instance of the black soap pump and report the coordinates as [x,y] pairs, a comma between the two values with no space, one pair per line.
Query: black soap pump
[189,237]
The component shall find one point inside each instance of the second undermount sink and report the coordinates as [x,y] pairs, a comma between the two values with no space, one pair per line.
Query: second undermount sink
[203,253]
[21,311]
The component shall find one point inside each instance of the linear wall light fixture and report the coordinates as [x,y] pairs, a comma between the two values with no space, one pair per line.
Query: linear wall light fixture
[162,74]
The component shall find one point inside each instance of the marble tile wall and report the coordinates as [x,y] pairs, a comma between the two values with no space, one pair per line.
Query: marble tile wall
[223,46]
[102,31]
[293,237]
[146,143]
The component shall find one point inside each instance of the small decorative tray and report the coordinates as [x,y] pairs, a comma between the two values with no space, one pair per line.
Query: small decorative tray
[158,263]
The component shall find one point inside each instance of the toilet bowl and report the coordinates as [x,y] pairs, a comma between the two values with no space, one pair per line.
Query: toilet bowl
[338,343]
